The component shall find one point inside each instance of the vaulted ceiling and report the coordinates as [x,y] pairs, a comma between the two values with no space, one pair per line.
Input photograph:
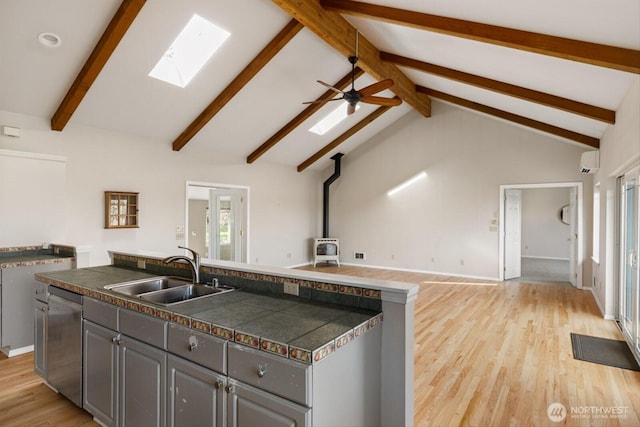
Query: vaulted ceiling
[561,68]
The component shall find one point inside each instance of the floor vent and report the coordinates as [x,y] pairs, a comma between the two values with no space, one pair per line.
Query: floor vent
[360,255]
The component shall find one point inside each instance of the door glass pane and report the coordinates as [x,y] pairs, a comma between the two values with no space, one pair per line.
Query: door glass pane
[630,288]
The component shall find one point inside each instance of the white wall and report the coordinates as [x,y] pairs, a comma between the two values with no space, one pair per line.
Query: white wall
[544,235]
[447,222]
[619,152]
[283,203]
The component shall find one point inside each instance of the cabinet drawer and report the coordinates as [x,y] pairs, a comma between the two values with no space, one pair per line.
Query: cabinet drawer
[147,329]
[102,313]
[203,349]
[286,378]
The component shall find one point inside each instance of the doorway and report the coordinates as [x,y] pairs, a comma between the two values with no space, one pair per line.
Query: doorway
[562,220]
[629,247]
[217,220]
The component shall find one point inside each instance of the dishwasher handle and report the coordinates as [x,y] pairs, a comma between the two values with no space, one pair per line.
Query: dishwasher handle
[65,294]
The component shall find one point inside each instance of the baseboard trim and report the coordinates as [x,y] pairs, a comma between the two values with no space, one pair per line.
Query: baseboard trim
[409,270]
[548,258]
[602,311]
[11,352]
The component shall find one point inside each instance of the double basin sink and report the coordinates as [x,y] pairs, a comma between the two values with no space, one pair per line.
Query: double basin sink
[166,290]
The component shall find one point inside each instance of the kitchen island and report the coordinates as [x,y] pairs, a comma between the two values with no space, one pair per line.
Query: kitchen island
[331,315]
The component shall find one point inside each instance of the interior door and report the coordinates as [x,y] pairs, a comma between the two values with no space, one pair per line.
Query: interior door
[227,225]
[629,310]
[573,236]
[512,233]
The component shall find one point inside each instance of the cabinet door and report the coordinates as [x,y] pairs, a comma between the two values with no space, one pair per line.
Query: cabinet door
[195,395]
[248,407]
[39,338]
[142,384]
[100,372]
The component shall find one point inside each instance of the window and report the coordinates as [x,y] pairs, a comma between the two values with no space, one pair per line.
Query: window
[196,43]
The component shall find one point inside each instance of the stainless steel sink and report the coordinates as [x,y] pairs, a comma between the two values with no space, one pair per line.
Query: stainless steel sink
[179,294]
[142,286]
[166,290]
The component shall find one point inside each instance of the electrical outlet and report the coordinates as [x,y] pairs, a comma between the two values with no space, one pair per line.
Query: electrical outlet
[461,262]
[142,264]
[291,288]
[360,255]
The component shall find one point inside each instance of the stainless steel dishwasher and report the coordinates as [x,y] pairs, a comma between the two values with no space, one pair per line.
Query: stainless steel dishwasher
[64,343]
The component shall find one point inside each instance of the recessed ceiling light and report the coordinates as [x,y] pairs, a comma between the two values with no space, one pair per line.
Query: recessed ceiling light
[49,39]
[329,121]
[196,43]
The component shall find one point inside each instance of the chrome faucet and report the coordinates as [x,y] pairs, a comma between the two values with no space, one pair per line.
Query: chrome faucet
[193,263]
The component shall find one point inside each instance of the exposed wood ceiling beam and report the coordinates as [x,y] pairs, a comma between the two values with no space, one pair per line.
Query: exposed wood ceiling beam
[590,53]
[101,53]
[265,55]
[341,35]
[586,110]
[342,138]
[304,115]
[544,127]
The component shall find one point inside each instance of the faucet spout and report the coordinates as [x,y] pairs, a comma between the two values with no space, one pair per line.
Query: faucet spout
[193,263]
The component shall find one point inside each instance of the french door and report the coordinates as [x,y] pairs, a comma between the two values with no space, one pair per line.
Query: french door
[227,224]
[629,237]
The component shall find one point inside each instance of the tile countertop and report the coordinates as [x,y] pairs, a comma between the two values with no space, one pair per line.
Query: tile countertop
[286,326]
[30,255]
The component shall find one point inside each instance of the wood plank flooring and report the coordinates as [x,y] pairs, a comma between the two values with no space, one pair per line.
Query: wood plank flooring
[499,353]
[26,401]
[486,354]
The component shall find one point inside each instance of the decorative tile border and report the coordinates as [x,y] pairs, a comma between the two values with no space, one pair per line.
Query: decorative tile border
[345,339]
[300,354]
[247,339]
[274,347]
[222,332]
[323,351]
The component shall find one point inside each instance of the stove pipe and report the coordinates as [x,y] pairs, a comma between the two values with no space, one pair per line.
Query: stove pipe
[325,194]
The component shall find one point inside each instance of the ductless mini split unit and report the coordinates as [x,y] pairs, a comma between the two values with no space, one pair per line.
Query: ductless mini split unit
[590,162]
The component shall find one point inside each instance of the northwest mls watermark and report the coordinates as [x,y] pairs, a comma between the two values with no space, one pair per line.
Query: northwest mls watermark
[557,412]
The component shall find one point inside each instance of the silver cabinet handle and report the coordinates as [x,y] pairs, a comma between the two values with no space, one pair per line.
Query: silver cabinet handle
[230,388]
[193,343]
[219,384]
[43,308]
[116,340]
[261,371]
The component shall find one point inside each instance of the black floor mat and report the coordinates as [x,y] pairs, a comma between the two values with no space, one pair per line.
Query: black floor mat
[603,351]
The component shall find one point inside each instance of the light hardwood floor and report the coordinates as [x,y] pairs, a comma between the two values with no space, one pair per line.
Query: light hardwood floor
[499,353]
[26,401]
[486,354]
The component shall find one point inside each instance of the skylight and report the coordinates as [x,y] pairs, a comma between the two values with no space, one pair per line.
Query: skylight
[196,43]
[331,119]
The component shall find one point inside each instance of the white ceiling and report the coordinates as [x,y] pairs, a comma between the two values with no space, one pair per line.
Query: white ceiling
[34,79]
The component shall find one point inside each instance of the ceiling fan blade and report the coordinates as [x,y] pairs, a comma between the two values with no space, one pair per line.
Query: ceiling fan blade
[376,87]
[335,89]
[322,101]
[378,100]
[351,109]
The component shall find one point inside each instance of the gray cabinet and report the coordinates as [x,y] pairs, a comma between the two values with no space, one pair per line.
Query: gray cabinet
[142,384]
[100,373]
[39,338]
[124,378]
[248,406]
[267,390]
[195,395]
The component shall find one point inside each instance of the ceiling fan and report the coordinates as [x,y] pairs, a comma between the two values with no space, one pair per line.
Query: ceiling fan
[353,96]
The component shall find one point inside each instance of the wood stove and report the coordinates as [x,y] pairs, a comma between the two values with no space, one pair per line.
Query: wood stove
[326,249]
